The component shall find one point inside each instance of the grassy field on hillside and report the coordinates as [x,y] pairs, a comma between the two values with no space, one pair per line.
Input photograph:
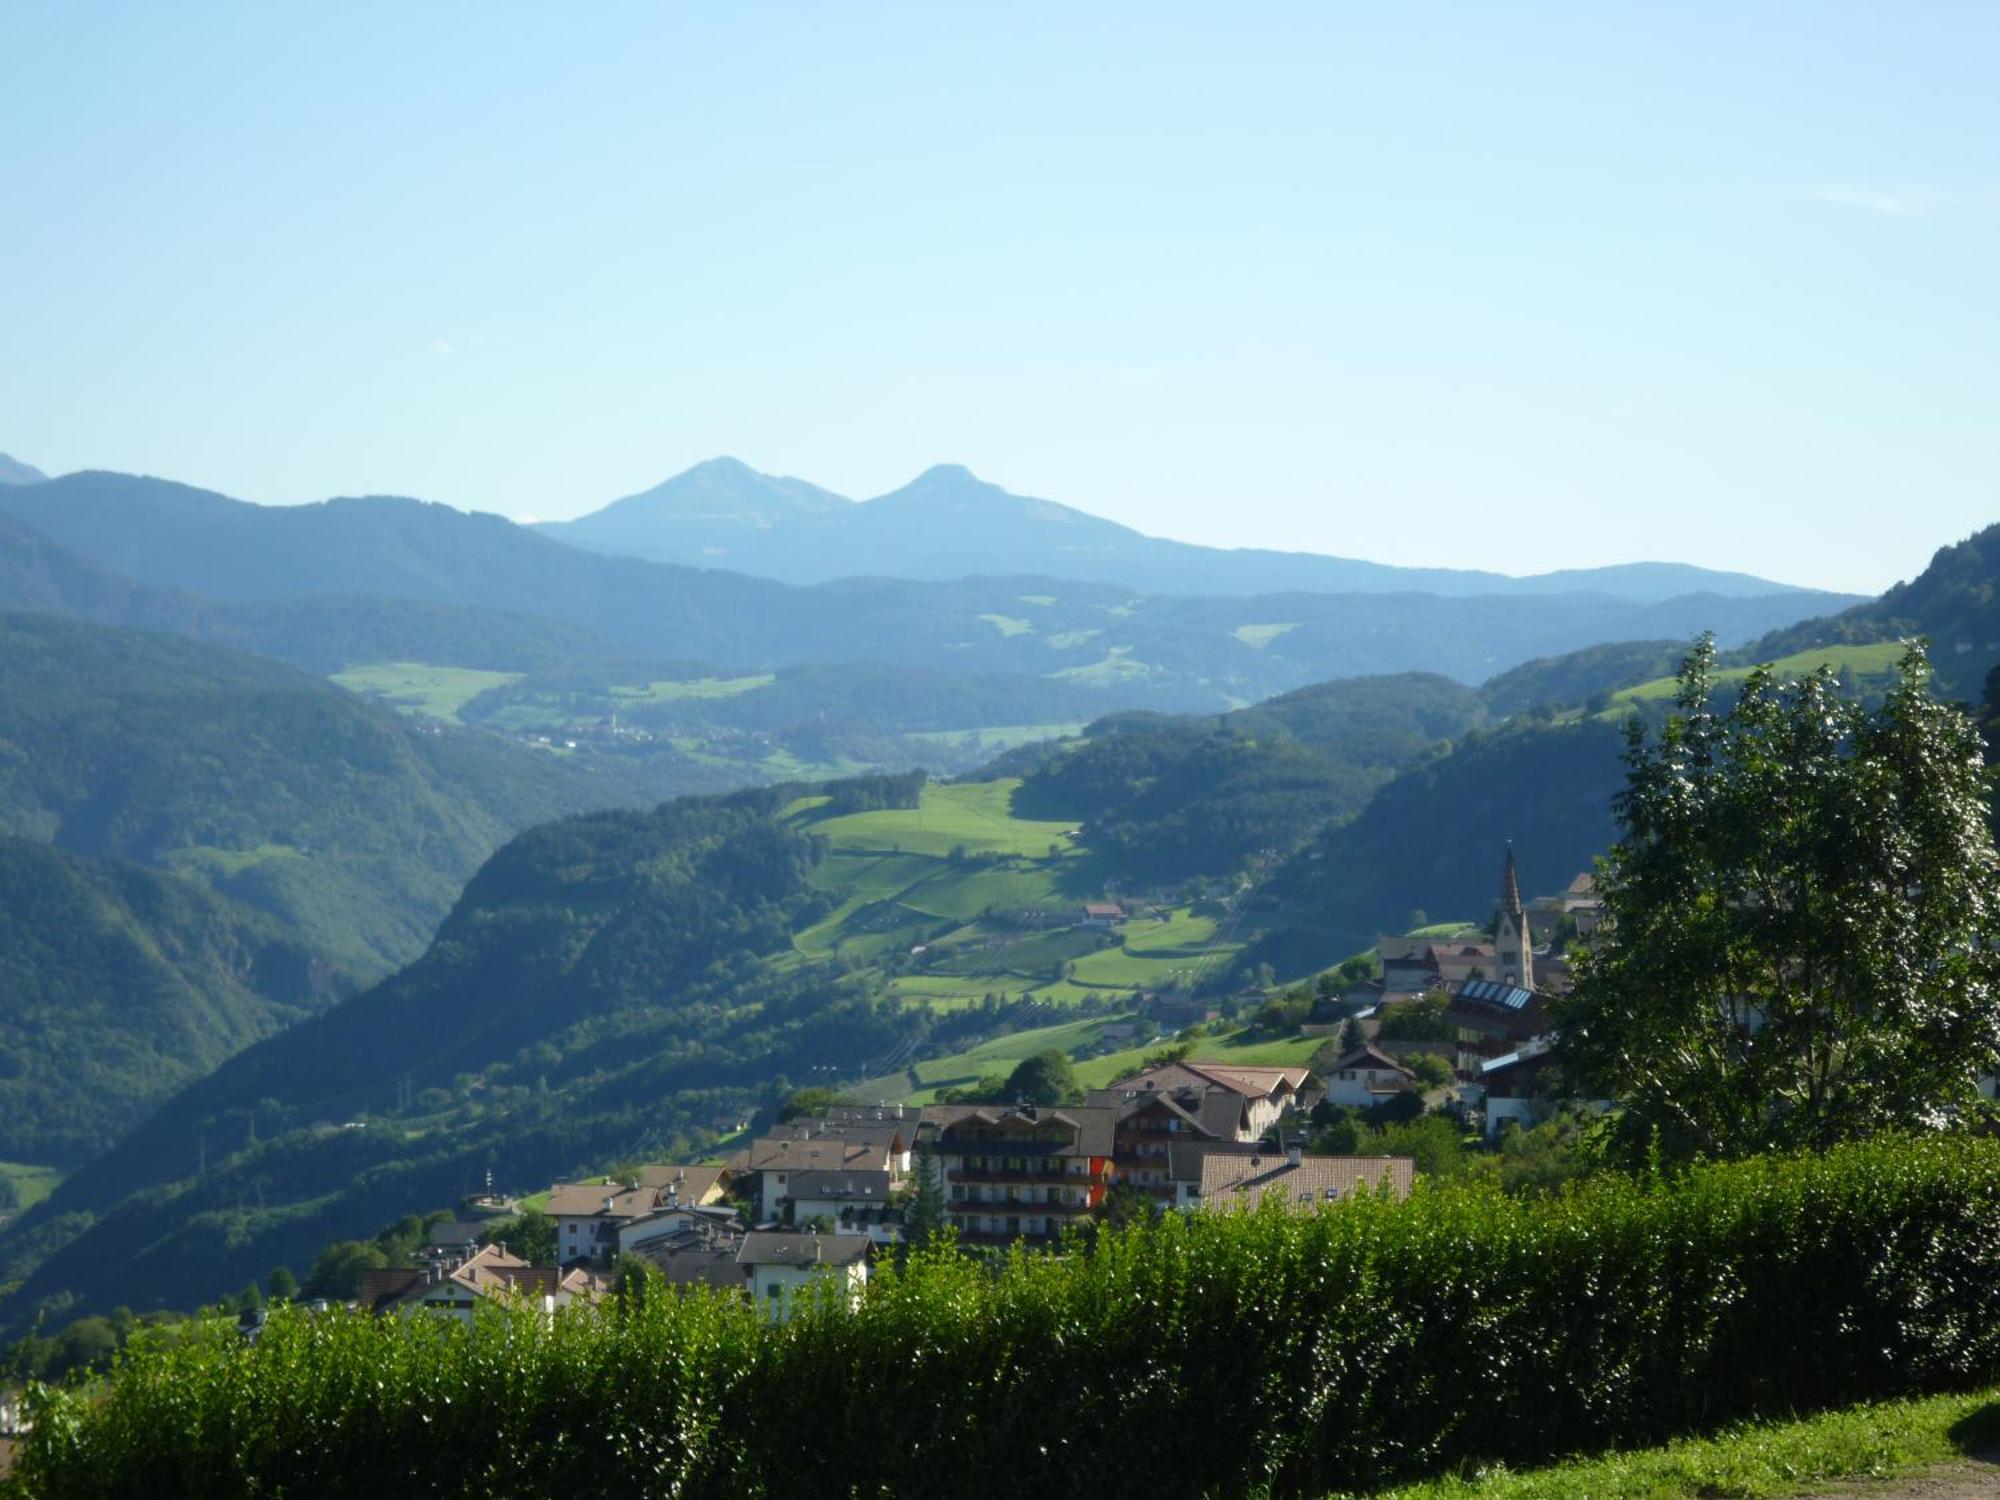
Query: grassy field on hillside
[1763,1461]
[31,1183]
[904,889]
[1261,636]
[976,816]
[992,739]
[694,687]
[1849,661]
[1238,1048]
[1002,1053]
[425,688]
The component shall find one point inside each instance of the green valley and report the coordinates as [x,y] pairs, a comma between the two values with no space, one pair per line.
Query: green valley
[631,981]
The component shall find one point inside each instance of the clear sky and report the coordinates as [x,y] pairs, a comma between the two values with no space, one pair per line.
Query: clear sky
[1484,284]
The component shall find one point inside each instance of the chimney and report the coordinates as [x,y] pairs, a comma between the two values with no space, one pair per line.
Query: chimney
[1293,1155]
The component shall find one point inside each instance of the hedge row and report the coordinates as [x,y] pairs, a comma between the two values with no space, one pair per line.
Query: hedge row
[1301,1353]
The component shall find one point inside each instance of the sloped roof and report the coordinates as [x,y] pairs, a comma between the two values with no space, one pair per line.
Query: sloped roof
[1093,1126]
[1185,1158]
[694,1256]
[1492,992]
[1210,1110]
[895,1134]
[1368,1057]
[854,1187]
[489,1272]
[1251,1082]
[383,1286]
[1229,1180]
[595,1199]
[764,1248]
[826,1152]
[689,1184]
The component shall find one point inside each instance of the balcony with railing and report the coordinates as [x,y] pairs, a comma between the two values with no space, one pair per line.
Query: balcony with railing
[970,1209]
[1048,1173]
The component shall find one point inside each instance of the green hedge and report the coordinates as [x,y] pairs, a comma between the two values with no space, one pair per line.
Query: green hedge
[1304,1353]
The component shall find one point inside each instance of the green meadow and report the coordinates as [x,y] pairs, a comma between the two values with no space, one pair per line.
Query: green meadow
[31,1183]
[1850,662]
[959,898]
[423,688]
[690,688]
[974,816]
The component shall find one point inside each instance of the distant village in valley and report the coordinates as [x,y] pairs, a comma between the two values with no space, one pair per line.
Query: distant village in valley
[1449,1021]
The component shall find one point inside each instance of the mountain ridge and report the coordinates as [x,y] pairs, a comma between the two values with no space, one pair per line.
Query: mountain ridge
[883,536]
[1186,652]
[13,471]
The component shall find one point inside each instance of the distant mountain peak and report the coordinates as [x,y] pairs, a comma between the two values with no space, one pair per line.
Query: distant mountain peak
[948,474]
[13,471]
[948,523]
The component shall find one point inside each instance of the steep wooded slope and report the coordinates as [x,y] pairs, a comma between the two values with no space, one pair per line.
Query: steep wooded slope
[119,986]
[268,786]
[1955,601]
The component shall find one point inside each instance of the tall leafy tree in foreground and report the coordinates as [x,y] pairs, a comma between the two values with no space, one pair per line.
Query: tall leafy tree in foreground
[1800,906]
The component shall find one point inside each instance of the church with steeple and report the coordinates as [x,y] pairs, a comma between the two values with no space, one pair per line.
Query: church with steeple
[1513,943]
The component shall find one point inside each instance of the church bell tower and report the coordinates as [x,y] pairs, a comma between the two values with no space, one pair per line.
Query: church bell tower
[1513,947]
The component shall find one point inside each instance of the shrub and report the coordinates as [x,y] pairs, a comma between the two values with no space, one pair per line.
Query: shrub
[1219,1354]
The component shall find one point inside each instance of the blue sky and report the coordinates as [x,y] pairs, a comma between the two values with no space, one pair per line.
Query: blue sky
[1490,285]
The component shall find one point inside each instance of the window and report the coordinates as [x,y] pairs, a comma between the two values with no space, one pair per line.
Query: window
[772,1291]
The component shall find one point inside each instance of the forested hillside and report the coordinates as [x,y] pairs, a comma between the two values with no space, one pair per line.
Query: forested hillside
[1578,677]
[268,786]
[119,986]
[1955,602]
[1432,839]
[319,633]
[1168,798]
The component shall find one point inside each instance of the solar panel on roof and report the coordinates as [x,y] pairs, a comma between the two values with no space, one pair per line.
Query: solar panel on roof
[1493,993]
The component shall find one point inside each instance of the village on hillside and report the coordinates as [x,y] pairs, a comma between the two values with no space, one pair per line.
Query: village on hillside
[1453,1022]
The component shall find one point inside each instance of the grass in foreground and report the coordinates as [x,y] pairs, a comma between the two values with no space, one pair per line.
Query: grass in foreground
[1757,1461]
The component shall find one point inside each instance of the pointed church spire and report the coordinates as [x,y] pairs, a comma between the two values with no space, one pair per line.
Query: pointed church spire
[1513,945]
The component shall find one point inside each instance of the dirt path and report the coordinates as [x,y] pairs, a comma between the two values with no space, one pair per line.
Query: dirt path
[1975,1478]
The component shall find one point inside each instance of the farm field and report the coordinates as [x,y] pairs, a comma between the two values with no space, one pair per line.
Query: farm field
[996,1056]
[1878,660]
[422,688]
[992,739]
[31,1183]
[1001,1054]
[1098,1072]
[975,816]
[690,688]
[944,931]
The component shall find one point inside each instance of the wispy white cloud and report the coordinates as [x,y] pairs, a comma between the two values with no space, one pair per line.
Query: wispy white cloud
[1909,202]
[442,348]
[526,520]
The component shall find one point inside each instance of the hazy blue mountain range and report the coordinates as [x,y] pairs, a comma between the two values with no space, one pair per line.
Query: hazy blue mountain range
[320,633]
[948,524]
[13,471]
[1190,652]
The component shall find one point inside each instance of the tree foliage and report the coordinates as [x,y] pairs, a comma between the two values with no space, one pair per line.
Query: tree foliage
[1045,1079]
[1798,909]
